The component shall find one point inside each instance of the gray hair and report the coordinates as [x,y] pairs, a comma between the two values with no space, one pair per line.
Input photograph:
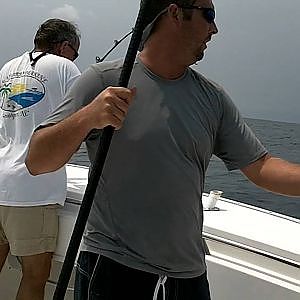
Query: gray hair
[54,31]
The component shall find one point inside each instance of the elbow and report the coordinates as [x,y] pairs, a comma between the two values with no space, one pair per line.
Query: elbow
[34,160]
[39,167]
[32,169]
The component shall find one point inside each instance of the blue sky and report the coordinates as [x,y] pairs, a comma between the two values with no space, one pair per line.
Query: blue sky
[254,56]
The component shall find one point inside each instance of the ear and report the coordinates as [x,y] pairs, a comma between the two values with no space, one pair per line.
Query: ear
[60,47]
[63,45]
[175,13]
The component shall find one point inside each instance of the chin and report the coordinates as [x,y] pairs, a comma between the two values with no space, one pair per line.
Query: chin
[199,57]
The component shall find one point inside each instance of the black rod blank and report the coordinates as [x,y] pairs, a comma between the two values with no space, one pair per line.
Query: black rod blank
[144,18]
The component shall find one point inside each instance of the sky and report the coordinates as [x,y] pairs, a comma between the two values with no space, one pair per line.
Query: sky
[254,56]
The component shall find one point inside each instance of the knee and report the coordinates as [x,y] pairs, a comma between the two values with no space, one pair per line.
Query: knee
[36,277]
[36,274]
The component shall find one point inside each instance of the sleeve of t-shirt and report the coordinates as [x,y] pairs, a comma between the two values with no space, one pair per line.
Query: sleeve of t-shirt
[72,74]
[236,144]
[61,74]
[81,93]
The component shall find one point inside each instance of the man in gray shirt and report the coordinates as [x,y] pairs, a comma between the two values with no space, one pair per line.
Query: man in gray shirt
[146,222]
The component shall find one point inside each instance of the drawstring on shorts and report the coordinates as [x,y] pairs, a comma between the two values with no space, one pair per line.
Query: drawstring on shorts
[160,282]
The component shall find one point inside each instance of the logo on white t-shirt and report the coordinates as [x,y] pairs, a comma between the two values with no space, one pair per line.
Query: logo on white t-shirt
[21,92]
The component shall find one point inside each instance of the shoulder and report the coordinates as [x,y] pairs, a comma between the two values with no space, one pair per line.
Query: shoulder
[107,72]
[218,95]
[208,83]
[14,61]
[58,62]
[215,94]
[109,66]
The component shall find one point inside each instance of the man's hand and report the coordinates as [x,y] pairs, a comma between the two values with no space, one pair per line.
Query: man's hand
[110,107]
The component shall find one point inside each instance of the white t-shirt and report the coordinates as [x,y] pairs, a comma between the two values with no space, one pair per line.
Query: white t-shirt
[27,96]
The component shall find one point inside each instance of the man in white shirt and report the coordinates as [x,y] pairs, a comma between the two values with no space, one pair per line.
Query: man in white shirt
[31,87]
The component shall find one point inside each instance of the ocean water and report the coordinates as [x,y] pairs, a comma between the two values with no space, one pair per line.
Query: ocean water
[281,139]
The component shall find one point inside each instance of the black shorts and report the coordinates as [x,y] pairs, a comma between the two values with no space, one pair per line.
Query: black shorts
[104,279]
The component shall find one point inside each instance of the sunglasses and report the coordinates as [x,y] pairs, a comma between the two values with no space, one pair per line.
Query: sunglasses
[209,13]
[76,54]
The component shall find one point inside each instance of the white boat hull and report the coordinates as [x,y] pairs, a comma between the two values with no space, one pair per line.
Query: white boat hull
[248,258]
[248,276]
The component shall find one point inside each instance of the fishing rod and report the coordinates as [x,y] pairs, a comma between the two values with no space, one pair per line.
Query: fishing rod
[116,43]
[145,16]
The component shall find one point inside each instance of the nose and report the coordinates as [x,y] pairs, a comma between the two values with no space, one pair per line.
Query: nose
[213,28]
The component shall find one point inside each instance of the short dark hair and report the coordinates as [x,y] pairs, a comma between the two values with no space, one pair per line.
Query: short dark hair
[55,31]
[159,5]
[187,14]
[156,13]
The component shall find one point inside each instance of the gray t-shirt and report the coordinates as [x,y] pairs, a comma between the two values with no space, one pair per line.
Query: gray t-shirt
[147,211]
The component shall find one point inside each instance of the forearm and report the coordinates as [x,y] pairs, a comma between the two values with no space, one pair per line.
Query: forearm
[52,147]
[275,175]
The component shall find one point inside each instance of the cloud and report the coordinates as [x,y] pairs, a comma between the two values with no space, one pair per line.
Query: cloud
[40,5]
[67,12]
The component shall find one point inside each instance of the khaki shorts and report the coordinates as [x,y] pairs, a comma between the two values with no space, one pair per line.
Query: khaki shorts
[29,230]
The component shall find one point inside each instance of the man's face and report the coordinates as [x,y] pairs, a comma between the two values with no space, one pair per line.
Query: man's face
[71,51]
[198,31]
[67,49]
